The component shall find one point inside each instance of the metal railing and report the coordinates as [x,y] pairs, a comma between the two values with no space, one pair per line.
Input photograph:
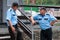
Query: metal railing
[46,6]
[23,12]
[29,32]
[24,27]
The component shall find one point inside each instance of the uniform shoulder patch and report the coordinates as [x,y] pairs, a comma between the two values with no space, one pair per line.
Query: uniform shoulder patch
[39,14]
[10,9]
[48,14]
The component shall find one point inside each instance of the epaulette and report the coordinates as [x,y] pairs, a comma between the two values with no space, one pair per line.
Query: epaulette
[48,14]
[10,9]
[39,14]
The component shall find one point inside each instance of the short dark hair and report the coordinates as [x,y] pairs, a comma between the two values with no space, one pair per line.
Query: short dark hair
[43,8]
[15,4]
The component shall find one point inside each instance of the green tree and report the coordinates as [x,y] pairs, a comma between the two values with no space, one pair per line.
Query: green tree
[58,2]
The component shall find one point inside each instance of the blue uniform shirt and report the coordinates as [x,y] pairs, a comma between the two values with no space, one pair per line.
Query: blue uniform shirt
[11,15]
[44,20]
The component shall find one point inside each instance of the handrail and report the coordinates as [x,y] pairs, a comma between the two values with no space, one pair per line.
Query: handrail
[23,12]
[23,24]
[25,29]
[46,6]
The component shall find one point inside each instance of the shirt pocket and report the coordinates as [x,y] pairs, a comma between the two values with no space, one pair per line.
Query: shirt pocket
[39,18]
[13,16]
[46,18]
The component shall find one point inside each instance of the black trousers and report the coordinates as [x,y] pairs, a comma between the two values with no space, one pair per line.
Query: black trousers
[46,34]
[17,35]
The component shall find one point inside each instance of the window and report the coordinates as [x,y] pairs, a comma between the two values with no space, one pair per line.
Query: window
[9,2]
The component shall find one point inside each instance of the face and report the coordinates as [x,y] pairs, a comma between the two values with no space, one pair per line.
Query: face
[42,12]
[15,7]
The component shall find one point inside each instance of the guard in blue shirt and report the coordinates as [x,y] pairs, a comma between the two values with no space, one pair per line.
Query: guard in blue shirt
[12,22]
[46,21]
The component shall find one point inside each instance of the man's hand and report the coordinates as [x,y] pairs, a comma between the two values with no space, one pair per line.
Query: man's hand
[13,29]
[52,23]
[32,20]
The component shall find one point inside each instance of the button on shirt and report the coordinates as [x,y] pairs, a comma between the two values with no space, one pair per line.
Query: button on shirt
[11,15]
[44,20]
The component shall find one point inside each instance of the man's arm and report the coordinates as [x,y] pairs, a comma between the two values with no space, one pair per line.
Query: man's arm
[8,18]
[52,20]
[11,26]
[52,23]
[32,20]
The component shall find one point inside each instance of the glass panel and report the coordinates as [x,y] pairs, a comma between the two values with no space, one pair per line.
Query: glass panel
[9,2]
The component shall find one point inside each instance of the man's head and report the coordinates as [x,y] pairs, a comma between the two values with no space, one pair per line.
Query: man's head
[15,6]
[43,11]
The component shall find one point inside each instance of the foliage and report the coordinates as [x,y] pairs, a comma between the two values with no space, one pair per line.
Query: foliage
[45,2]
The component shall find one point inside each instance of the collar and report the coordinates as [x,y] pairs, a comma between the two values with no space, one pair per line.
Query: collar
[42,15]
[11,9]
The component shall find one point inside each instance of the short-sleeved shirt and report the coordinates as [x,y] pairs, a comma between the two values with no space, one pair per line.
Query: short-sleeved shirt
[44,20]
[11,15]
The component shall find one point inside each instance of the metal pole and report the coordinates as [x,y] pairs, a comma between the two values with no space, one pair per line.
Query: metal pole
[32,28]
[32,33]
